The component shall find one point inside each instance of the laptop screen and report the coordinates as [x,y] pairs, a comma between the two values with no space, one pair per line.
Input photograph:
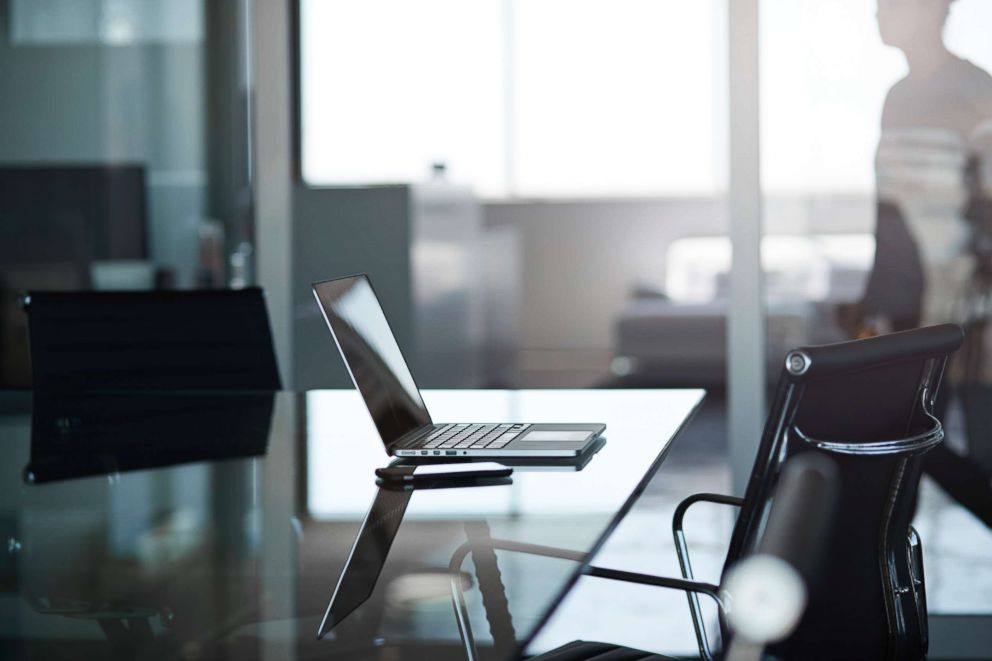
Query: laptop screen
[373,358]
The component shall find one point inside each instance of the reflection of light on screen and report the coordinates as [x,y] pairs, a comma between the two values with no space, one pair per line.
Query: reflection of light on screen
[359,307]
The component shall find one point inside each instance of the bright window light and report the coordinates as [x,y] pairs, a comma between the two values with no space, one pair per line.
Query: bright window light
[543,98]
[619,97]
[824,77]
[390,87]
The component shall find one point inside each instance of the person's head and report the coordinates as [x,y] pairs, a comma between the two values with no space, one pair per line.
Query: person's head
[903,23]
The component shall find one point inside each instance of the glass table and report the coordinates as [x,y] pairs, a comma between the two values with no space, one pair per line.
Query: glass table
[220,525]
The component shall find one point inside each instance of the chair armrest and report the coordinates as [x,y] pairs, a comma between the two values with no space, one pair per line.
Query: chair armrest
[716,498]
[678,528]
[682,550]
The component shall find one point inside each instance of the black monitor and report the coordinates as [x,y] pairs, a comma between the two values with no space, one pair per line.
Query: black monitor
[72,213]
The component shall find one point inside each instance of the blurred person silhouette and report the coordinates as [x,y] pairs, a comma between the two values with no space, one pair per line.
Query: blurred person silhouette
[933,256]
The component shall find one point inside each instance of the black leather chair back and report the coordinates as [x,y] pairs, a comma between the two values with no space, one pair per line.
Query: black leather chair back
[154,340]
[868,405]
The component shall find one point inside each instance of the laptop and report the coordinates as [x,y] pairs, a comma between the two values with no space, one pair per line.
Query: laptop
[381,374]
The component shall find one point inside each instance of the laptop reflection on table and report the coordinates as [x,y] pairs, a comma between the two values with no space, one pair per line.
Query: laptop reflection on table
[375,538]
[367,558]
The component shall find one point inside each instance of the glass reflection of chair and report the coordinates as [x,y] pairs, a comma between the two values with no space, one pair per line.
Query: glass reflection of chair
[161,340]
[868,405]
[75,435]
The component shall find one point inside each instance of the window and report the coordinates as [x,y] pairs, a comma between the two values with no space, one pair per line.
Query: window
[544,98]
[824,74]
[390,87]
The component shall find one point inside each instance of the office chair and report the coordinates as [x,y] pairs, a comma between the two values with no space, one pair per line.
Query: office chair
[150,340]
[867,404]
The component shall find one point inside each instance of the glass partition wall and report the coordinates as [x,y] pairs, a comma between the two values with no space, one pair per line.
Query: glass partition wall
[876,121]
[124,151]
[633,173]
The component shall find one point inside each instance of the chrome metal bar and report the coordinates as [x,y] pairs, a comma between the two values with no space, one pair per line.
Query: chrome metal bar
[685,565]
[916,444]
[696,587]
[911,445]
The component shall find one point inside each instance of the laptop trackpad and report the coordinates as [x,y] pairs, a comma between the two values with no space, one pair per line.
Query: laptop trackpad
[555,436]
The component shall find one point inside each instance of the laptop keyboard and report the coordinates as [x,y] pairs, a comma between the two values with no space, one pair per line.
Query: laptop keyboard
[465,436]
